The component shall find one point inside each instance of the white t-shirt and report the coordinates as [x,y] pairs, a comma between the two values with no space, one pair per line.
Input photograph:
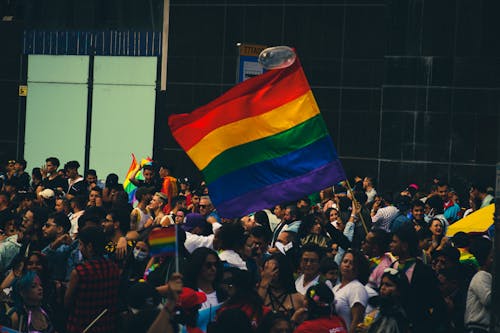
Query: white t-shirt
[211,301]
[345,298]
[299,284]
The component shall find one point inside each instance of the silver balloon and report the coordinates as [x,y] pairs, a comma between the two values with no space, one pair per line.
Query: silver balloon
[277,57]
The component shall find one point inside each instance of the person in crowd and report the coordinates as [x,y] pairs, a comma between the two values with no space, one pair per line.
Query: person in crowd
[91,180]
[76,183]
[156,208]
[319,312]
[207,209]
[310,258]
[448,257]
[383,213]
[93,286]
[479,191]
[232,240]
[194,206]
[329,270]
[110,183]
[36,179]
[77,205]
[451,285]
[451,209]
[389,314]
[424,237]
[168,185]
[95,198]
[277,287]
[242,295]
[148,173]
[376,248]
[369,187]
[439,240]
[275,322]
[478,303]
[142,308]
[135,265]
[115,227]
[203,272]
[50,177]
[62,206]
[427,311]
[417,215]
[461,241]
[56,232]
[350,294]
[28,315]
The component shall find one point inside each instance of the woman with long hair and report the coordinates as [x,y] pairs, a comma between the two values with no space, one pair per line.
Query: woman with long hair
[389,314]
[439,240]
[277,286]
[350,294]
[240,287]
[203,273]
[27,315]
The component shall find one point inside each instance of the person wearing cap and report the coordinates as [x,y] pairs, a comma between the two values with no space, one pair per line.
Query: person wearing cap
[140,215]
[319,314]
[181,308]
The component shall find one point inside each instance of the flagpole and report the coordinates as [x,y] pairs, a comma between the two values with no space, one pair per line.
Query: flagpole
[357,204]
[176,251]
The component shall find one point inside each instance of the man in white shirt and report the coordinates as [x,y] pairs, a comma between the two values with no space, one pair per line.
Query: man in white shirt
[309,266]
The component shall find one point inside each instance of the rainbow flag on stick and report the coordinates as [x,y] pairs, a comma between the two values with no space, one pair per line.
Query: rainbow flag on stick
[127,184]
[162,241]
[262,143]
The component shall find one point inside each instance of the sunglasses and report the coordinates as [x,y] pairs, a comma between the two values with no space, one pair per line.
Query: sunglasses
[203,206]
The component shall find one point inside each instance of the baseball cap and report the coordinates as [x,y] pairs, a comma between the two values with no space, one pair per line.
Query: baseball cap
[193,220]
[190,298]
[47,194]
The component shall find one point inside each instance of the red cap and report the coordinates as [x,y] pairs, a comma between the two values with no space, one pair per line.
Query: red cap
[189,298]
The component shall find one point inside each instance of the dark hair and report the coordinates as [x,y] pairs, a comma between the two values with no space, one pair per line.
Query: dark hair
[53,160]
[61,220]
[231,236]
[123,218]
[245,291]
[453,273]
[111,179]
[177,199]
[195,264]
[95,236]
[382,239]
[327,264]
[22,163]
[80,201]
[36,173]
[294,211]
[402,203]
[285,272]
[91,172]
[231,320]
[261,218]
[361,265]
[371,179]
[436,202]
[442,183]
[261,232]
[461,239]
[97,189]
[149,167]
[417,203]
[312,247]
[481,248]
[423,233]
[71,165]
[399,278]
[320,301]
[271,319]
[91,214]
[408,235]
[361,197]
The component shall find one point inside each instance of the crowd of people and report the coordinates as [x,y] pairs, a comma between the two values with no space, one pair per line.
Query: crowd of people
[75,257]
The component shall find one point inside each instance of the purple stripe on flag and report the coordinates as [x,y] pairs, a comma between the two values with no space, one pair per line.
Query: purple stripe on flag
[288,190]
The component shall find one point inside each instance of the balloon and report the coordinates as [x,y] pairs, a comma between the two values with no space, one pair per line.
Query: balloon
[277,57]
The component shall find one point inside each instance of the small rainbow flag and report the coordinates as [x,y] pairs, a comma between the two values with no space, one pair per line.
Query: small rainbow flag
[127,184]
[262,143]
[162,241]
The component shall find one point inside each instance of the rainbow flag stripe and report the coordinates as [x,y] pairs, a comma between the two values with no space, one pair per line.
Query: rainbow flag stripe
[127,184]
[262,143]
[162,241]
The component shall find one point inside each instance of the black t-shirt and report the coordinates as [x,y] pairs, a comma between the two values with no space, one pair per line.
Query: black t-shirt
[5,215]
[53,184]
[22,181]
[78,188]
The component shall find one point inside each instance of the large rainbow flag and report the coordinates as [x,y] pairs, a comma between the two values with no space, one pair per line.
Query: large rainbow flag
[162,241]
[127,184]
[261,143]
